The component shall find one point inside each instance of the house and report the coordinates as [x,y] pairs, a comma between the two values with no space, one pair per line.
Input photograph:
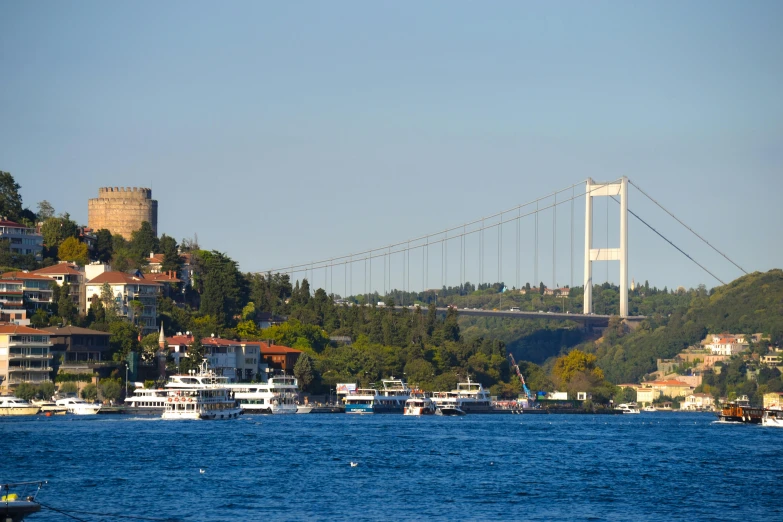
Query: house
[222,356]
[647,395]
[267,319]
[185,271]
[557,292]
[65,272]
[36,288]
[127,288]
[670,388]
[24,356]
[697,402]
[76,344]
[727,346]
[12,308]
[279,357]
[21,239]
[773,399]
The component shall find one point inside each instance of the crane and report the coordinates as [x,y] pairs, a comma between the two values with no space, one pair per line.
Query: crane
[528,395]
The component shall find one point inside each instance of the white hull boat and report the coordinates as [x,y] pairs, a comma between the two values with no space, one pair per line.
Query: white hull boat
[13,406]
[78,406]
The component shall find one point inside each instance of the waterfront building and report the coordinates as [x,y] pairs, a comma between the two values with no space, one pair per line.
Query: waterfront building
[279,357]
[697,402]
[12,308]
[24,356]
[126,288]
[21,239]
[78,345]
[66,272]
[36,289]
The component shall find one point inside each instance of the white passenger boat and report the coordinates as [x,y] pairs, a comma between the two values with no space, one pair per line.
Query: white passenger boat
[772,418]
[627,408]
[15,406]
[78,406]
[419,404]
[390,399]
[469,397]
[276,396]
[145,401]
[199,395]
[49,408]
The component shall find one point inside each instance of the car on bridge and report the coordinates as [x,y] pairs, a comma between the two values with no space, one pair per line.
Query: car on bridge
[514,309]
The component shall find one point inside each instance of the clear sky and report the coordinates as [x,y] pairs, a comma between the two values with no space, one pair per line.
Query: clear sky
[287,132]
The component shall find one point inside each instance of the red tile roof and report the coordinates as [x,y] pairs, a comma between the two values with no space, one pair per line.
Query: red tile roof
[179,340]
[25,275]
[163,278]
[121,278]
[217,341]
[58,269]
[9,223]
[17,329]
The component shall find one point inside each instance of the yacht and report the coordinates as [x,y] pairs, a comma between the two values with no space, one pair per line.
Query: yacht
[419,404]
[78,406]
[627,408]
[469,397]
[146,401]
[16,406]
[49,408]
[277,395]
[773,417]
[390,399]
[199,395]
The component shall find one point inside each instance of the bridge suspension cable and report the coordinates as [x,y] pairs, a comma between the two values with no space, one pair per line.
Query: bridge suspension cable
[686,226]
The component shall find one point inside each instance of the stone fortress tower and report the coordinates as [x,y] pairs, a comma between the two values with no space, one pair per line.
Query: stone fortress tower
[121,210]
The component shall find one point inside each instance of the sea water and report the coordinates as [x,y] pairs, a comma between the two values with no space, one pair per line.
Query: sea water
[652,466]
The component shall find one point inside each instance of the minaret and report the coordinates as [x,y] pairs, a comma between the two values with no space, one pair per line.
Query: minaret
[161,338]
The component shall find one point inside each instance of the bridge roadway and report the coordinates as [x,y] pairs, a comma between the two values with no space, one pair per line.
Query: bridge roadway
[586,320]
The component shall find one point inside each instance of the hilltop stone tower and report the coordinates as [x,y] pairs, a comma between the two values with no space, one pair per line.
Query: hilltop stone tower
[122,210]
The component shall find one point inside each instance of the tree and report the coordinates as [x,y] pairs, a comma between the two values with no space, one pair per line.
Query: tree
[104,246]
[172,261]
[109,304]
[71,249]
[111,389]
[68,388]
[90,392]
[124,339]
[144,241]
[303,371]
[40,318]
[45,210]
[223,289]
[149,347]
[577,361]
[55,230]
[10,199]
[46,390]
[26,391]
[65,307]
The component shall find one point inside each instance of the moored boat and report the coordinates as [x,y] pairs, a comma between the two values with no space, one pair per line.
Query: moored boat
[390,399]
[203,395]
[49,408]
[15,406]
[740,411]
[449,411]
[419,404]
[629,408]
[469,397]
[146,401]
[276,396]
[78,406]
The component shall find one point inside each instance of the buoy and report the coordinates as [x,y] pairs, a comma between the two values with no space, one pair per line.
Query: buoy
[202,470]
[354,464]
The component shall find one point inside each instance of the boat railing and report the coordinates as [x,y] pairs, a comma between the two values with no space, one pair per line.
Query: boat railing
[25,491]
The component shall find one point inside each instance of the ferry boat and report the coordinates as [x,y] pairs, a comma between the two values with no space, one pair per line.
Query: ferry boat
[277,396]
[16,406]
[469,397]
[741,411]
[201,395]
[390,399]
[78,406]
[419,404]
[146,402]
[627,408]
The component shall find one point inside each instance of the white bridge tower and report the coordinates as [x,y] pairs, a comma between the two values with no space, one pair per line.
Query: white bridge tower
[614,188]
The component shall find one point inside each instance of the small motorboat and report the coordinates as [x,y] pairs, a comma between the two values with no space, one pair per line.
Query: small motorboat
[450,411]
[16,500]
[304,408]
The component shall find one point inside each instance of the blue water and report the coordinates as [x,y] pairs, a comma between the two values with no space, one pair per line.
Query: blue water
[654,466]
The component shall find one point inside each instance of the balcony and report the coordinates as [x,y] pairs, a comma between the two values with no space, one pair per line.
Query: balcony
[39,380]
[29,343]
[27,357]
[31,369]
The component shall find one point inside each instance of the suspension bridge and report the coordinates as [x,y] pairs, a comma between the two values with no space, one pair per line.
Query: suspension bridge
[437,258]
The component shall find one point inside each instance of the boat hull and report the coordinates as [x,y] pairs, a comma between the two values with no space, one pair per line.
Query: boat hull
[18,410]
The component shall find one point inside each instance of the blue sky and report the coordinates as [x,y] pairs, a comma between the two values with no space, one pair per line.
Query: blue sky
[284,133]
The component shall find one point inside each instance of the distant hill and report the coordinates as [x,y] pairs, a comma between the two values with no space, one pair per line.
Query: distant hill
[750,304]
